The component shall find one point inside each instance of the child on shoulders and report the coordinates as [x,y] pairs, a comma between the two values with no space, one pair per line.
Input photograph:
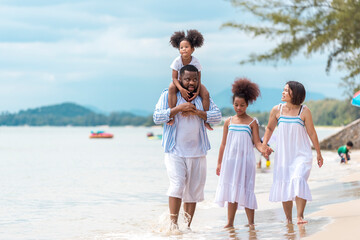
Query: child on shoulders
[186,45]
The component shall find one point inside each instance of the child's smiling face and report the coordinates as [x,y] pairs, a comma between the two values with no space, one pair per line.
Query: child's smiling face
[185,49]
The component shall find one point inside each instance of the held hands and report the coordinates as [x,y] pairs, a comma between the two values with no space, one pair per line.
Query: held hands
[266,151]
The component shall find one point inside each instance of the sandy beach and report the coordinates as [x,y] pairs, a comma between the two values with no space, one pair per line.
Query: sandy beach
[345,217]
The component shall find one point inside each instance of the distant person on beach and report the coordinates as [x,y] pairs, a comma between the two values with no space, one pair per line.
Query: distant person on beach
[186,45]
[293,154]
[236,161]
[343,152]
[185,144]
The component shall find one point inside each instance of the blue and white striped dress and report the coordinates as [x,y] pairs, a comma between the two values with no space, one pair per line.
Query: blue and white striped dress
[237,174]
[293,160]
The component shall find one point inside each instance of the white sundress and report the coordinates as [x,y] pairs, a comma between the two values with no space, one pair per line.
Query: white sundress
[293,160]
[237,174]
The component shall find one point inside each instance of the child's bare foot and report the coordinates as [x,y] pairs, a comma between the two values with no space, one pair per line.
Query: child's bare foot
[229,225]
[300,220]
[171,122]
[207,125]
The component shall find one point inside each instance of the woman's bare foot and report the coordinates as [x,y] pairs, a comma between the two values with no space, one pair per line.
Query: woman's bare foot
[251,226]
[301,220]
[207,125]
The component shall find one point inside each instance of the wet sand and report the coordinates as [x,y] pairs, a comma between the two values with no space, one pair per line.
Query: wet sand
[344,217]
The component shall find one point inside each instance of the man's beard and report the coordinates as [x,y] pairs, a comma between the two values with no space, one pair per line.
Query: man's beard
[191,93]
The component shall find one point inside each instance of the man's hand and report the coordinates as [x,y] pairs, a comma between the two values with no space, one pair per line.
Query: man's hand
[187,108]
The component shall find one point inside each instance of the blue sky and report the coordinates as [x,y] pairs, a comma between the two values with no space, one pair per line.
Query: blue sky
[115,55]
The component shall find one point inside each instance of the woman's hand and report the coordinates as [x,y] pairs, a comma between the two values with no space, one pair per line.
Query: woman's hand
[320,160]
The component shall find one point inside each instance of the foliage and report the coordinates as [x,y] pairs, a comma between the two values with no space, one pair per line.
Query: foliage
[263,117]
[327,112]
[313,25]
[331,112]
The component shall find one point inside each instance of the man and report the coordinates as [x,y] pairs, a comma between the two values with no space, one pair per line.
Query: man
[186,144]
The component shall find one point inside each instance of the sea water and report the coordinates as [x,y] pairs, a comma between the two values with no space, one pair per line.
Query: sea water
[57,183]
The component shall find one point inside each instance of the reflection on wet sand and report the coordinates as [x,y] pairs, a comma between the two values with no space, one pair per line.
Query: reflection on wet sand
[302,230]
[234,234]
[291,233]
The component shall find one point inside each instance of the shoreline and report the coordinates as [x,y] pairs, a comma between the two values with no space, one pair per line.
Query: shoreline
[344,216]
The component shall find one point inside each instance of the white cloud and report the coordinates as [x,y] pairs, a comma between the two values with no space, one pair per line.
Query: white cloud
[65,45]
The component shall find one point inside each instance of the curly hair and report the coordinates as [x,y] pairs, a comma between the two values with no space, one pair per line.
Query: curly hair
[244,88]
[194,37]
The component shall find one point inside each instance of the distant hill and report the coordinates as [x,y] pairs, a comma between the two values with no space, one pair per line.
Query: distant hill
[70,114]
[269,98]
[63,110]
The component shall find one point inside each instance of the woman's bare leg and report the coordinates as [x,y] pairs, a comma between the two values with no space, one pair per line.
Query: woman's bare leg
[287,206]
[300,207]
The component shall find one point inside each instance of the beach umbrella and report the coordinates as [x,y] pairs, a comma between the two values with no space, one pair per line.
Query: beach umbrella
[356,99]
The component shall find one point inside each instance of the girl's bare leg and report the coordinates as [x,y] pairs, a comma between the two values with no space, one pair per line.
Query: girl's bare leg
[300,207]
[172,99]
[250,213]
[287,206]
[232,207]
[205,96]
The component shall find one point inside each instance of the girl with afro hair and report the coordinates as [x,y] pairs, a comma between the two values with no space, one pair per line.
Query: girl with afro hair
[186,45]
[236,161]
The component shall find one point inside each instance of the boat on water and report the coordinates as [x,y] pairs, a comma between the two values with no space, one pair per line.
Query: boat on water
[100,134]
[151,136]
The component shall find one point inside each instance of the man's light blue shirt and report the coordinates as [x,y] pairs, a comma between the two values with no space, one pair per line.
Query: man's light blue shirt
[162,116]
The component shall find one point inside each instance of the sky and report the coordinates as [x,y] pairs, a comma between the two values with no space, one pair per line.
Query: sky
[116,56]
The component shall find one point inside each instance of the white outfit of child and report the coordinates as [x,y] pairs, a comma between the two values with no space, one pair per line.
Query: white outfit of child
[293,160]
[177,64]
[237,174]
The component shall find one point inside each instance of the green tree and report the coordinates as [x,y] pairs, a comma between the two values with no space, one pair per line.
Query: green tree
[311,25]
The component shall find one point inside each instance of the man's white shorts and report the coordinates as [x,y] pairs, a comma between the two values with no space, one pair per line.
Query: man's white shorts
[187,177]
